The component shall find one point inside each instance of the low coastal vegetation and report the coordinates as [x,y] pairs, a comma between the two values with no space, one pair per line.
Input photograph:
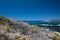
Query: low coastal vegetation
[12,30]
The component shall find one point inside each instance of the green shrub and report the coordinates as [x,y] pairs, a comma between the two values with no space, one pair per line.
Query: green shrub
[54,38]
[2,18]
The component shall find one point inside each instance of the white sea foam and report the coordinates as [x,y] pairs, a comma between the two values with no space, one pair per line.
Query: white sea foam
[58,33]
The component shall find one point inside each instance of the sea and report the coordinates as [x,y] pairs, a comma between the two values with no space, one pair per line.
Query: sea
[54,28]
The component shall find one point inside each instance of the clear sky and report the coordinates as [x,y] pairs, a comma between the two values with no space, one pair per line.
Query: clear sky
[30,9]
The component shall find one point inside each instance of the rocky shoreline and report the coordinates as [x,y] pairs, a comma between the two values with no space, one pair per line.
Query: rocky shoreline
[12,30]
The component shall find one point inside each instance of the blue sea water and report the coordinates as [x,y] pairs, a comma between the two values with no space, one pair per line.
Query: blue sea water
[51,28]
[35,22]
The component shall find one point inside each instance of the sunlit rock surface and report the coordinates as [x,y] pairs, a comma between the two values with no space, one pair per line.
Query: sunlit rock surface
[21,31]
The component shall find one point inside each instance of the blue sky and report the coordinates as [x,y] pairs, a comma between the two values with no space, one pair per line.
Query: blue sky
[30,9]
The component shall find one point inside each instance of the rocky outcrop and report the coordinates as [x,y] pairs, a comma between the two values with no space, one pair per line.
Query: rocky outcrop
[21,31]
